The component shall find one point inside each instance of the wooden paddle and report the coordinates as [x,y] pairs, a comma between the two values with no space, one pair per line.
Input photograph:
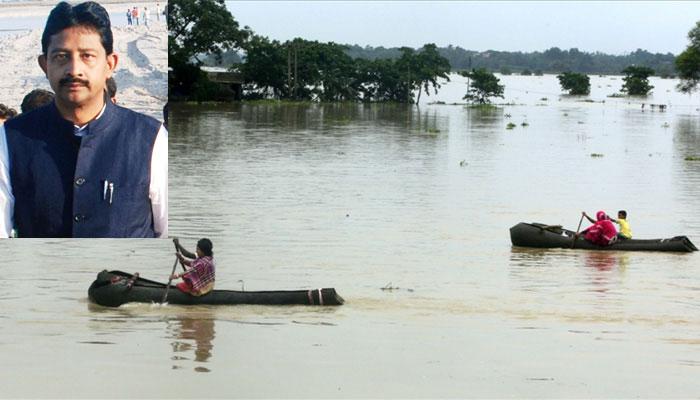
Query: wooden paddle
[573,242]
[167,288]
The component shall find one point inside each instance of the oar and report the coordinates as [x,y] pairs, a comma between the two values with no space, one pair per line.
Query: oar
[577,229]
[167,288]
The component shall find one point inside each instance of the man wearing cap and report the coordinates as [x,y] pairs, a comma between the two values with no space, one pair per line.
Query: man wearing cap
[82,166]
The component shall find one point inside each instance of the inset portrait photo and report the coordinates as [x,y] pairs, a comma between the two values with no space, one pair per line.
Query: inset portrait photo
[83,144]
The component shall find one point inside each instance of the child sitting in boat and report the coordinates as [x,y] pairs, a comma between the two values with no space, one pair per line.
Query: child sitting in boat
[198,278]
[602,232]
[625,231]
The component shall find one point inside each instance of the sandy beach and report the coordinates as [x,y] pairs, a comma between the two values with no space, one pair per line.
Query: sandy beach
[141,73]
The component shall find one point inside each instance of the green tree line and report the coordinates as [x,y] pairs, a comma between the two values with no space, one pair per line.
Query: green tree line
[310,70]
[553,60]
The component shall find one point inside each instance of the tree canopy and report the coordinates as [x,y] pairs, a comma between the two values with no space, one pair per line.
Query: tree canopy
[688,62]
[575,83]
[483,85]
[195,28]
[430,66]
[198,27]
[636,80]
[311,70]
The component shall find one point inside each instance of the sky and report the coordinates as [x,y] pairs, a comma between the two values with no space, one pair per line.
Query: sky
[612,27]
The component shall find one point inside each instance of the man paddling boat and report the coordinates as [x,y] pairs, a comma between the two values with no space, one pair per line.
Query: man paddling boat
[198,278]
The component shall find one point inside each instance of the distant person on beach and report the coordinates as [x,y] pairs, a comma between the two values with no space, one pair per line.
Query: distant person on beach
[199,276]
[602,232]
[82,166]
[135,14]
[145,16]
[128,16]
[158,11]
[111,88]
[35,99]
[625,231]
[6,113]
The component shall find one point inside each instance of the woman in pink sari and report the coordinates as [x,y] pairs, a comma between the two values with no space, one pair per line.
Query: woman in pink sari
[602,232]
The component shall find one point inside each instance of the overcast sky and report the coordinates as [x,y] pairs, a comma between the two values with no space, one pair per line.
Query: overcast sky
[613,27]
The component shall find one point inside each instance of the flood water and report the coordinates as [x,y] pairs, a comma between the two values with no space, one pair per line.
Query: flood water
[405,211]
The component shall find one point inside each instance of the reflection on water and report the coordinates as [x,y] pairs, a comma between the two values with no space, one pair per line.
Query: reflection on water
[686,140]
[192,334]
[607,260]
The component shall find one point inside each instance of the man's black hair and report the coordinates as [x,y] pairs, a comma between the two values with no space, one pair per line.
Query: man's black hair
[7,112]
[623,213]
[35,99]
[206,246]
[89,14]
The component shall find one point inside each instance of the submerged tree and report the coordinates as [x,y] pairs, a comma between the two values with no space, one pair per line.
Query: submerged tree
[483,85]
[431,66]
[637,80]
[387,80]
[688,62]
[575,83]
[265,68]
[399,79]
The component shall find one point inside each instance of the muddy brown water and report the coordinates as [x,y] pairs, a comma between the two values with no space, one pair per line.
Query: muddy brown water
[405,211]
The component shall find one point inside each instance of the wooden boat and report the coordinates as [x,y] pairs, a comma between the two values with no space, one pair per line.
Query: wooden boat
[554,236]
[114,288]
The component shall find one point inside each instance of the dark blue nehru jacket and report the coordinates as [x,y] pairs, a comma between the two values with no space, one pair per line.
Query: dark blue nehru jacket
[58,179]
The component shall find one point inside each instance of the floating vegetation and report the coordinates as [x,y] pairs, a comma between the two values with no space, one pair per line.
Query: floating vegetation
[507,115]
[544,99]
[510,125]
[390,287]
[580,122]
[616,95]
[463,163]
[524,124]
[280,102]
[483,106]
[692,158]
[433,130]
[566,114]
[596,155]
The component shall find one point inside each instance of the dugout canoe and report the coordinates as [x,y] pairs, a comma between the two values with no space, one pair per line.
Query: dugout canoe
[113,288]
[554,236]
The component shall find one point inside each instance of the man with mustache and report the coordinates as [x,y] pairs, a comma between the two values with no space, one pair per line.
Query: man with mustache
[82,166]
